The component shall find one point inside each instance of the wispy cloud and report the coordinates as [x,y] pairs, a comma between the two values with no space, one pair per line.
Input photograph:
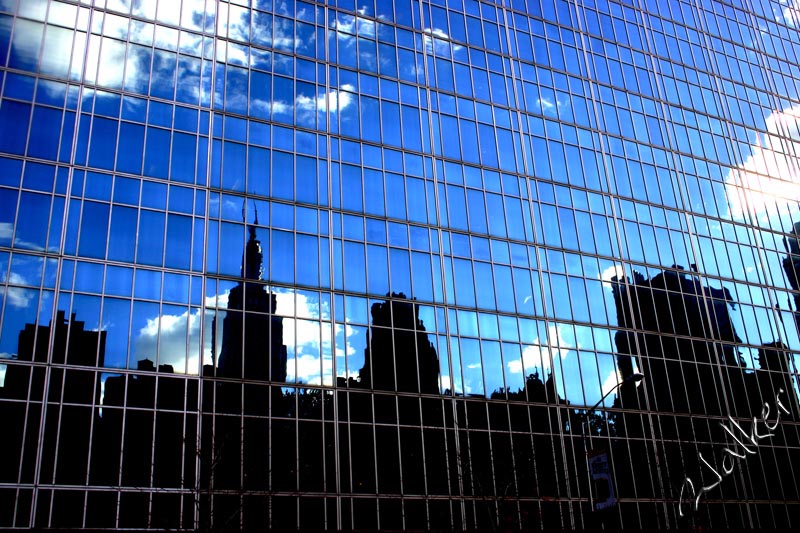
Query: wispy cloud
[333,101]
[351,25]
[437,40]
[17,296]
[539,357]
[545,104]
[791,12]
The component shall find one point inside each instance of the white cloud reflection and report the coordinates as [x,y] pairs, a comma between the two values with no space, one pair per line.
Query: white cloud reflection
[437,40]
[6,231]
[309,351]
[17,296]
[540,357]
[353,25]
[333,101]
[611,382]
[791,12]
[767,185]
[613,271]
[546,104]
[171,331]
[138,67]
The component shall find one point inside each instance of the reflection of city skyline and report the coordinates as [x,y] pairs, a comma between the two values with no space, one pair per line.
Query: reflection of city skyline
[250,340]
[401,359]
[413,335]
[680,334]
[676,303]
[698,320]
[72,345]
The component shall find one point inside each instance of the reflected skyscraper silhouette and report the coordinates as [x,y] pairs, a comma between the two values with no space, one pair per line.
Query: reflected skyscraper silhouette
[775,374]
[105,435]
[236,456]
[782,362]
[399,355]
[698,367]
[72,344]
[791,265]
[122,451]
[252,336]
[689,352]
[64,448]
[684,369]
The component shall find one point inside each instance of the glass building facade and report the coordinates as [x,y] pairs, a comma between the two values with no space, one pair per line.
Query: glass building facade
[411,265]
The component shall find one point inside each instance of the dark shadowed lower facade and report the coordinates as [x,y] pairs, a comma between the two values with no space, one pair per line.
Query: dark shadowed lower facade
[412,265]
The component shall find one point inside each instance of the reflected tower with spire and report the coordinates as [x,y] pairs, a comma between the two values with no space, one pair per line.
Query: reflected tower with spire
[252,335]
[236,458]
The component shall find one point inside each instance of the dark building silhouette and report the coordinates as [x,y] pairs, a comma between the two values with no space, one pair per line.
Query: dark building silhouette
[524,475]
[697,366]
[235,454]
[791,265]
[489,159]
[252,336]
[775,374]
[65,442]
[141,388]
[688,350]
[685,343]
[104,435]
[72,344]
[123,452]
[400,357]
[779,359]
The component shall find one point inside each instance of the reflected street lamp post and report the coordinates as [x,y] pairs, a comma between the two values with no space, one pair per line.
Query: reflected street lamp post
[597,461]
